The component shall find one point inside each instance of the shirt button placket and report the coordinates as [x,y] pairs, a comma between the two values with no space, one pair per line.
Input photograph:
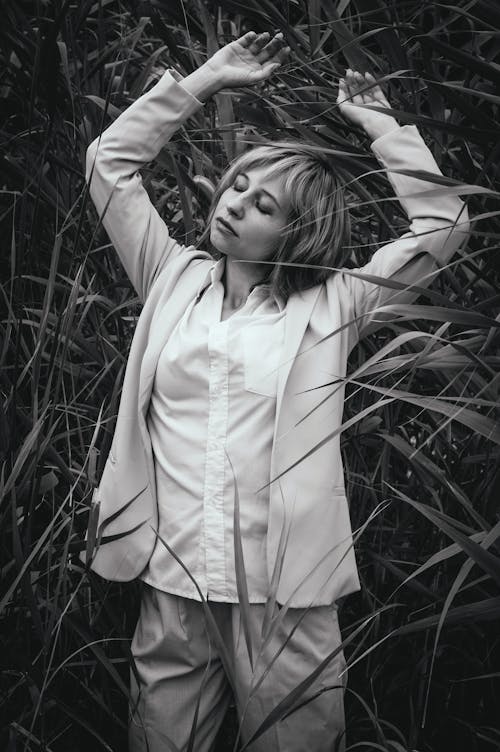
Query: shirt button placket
[215,564]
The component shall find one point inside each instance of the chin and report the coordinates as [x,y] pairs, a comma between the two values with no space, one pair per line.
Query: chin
[221,245]
[217,241]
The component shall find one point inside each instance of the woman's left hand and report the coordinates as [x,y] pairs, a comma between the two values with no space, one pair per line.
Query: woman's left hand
[357,92]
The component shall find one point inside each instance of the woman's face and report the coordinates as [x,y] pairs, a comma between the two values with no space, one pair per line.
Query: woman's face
[250,216]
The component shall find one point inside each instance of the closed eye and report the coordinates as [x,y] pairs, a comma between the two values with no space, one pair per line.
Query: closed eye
[240,187]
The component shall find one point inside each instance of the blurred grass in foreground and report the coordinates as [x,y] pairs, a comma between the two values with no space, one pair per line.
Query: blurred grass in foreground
[423,412]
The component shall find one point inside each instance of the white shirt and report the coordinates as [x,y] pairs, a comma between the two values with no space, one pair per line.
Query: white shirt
[212,406]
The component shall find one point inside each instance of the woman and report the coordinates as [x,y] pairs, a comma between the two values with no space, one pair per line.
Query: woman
[224,481]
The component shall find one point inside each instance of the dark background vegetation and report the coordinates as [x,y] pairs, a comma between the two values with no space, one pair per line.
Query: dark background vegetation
[426,669]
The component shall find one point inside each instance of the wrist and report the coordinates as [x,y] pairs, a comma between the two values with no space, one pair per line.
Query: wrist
[203,83]
[376,130]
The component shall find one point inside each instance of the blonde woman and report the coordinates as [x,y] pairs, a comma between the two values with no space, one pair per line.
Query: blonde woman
[223,462]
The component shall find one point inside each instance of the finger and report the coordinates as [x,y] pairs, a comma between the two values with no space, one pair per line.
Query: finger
[380,97]
[247,39]
[343,93]
[265,71]
[381,100]
[352,84]
[376,90]
[281,56]
[272,47]
[347,83]
[277,60]
[365,89]
[360,84]
[371,79]
[356,85]
[259,42]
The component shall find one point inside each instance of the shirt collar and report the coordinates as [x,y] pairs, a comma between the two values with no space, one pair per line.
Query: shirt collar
[215,273]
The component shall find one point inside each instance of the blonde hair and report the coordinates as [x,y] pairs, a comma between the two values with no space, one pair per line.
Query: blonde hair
[318,229]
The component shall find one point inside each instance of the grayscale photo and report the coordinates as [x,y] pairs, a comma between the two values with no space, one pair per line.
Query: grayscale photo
[250,361]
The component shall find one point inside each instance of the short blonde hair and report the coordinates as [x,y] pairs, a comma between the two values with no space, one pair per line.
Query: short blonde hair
[318,232]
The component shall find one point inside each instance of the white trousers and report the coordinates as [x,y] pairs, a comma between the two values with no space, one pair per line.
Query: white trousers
[174,655]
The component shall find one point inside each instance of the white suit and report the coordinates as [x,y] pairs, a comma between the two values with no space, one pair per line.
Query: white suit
[308,505]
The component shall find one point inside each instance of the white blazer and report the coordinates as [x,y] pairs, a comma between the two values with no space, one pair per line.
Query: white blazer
[309,540]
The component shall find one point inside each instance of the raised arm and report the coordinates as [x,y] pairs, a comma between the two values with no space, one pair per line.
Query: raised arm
[114,159]
[437,224]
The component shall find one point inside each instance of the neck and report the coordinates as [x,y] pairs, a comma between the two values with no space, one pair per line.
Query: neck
[238,279]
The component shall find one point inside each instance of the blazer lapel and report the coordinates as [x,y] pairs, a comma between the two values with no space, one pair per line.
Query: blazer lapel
[298,313]
[168,311]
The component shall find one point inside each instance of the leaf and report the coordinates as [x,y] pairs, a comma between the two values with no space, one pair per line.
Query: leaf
[488,562]
[469,62]
[106,107]
[287,705]
[239,561]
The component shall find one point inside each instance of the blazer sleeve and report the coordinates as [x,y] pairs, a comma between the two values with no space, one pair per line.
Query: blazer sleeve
[438,225]
[138,233]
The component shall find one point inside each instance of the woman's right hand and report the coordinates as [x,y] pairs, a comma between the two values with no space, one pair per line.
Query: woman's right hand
[248,60]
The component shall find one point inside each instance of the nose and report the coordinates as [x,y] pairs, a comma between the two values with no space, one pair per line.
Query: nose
[235,205]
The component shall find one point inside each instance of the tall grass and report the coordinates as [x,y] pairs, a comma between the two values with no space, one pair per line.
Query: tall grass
[422,445]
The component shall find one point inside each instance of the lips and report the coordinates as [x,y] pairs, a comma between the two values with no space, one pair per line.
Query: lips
[226,226]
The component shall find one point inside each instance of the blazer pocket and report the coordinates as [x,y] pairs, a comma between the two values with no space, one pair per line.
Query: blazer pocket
[261,359]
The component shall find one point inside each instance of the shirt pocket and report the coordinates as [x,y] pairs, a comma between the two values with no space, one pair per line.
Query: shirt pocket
[262,346]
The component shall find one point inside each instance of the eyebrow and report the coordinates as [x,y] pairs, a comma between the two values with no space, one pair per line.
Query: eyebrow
[263,190]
